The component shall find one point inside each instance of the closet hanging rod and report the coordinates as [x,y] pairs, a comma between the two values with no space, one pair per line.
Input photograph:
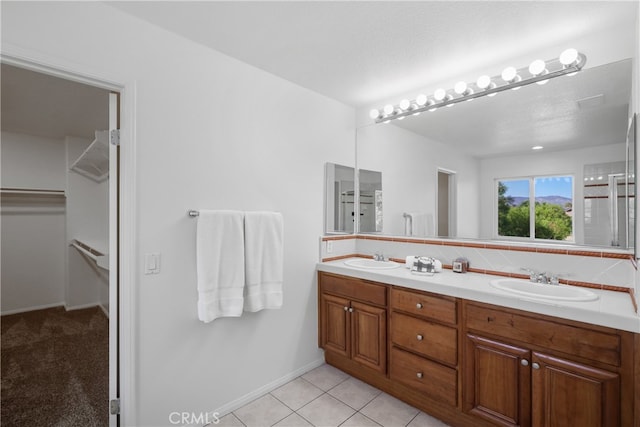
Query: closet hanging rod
[194,213]
[31,191]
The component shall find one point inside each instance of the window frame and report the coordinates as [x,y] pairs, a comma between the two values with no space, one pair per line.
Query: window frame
[532,219]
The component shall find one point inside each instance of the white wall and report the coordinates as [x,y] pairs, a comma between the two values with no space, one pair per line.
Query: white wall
[33,228]
[569,162]
[32,162]
[210,132]
[409,164]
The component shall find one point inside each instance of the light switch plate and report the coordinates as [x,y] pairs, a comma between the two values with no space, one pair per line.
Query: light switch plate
[152,263]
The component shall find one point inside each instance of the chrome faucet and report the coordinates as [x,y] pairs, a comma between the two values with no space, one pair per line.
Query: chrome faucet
[379,257]
[543,278]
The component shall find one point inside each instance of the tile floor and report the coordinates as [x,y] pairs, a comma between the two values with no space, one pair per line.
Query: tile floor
[328,397]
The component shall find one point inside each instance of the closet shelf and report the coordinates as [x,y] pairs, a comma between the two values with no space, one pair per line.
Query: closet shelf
[101,259]
[93,163]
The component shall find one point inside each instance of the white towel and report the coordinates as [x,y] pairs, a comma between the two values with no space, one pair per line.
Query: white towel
[419,224]
[264,260]
[220,264]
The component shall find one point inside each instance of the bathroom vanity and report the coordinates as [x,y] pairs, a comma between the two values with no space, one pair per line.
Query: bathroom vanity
[473,355]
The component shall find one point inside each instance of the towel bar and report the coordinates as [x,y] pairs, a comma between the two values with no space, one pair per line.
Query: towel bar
[193,213]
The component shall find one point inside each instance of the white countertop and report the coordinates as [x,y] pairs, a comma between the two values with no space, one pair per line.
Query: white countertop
[611,309]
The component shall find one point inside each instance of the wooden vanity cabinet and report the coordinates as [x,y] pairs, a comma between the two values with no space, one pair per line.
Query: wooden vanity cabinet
[424,343]
[533,371]
[473,364]
[353,320]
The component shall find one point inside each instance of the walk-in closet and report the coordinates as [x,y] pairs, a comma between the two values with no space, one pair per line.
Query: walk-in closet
[54,151]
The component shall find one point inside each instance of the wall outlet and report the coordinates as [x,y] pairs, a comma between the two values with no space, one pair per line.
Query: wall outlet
[329,246]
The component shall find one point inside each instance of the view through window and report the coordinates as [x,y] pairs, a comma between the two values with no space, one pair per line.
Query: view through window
[536,208]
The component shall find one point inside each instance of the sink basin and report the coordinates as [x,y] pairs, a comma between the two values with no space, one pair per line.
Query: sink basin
[540,291]
[371,264]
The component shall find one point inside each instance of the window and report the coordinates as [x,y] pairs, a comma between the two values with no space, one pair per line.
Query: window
[536,208]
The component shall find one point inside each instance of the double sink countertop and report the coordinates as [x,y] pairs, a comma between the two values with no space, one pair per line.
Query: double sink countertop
[612,309]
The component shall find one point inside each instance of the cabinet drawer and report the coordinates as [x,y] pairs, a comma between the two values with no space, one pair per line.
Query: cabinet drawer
[353,288]
[430,339]
[582,342]
[441,309]
[438,381]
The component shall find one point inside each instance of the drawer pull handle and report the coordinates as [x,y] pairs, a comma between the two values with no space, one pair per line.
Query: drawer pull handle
[419,375]
[524,362]
[419,305]
[535,366]
[419,337]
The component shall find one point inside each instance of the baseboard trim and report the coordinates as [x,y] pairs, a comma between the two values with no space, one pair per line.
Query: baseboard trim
[104,310]
[240,402]
[33,308]
[82,306]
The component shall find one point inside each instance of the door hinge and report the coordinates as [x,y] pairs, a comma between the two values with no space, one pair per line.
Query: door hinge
[115,137]
[114,406]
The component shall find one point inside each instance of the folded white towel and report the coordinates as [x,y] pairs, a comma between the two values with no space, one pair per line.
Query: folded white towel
[264,260]
[220,264]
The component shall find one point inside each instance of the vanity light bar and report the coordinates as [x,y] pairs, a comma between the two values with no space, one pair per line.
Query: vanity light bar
[568,63]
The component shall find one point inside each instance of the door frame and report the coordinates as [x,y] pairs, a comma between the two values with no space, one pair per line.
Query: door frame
[452,206]
[35,61]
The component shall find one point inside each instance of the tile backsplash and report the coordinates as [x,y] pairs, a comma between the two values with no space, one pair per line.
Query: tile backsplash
[579,267]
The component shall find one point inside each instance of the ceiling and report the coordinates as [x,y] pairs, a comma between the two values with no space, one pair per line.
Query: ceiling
[357,52]
[43,105]
[363,52]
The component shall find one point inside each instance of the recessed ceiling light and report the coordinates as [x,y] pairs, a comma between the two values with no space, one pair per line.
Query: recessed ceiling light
[537,147]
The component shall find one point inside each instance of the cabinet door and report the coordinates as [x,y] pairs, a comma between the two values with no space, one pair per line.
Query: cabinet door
[567,393]
[335,324]
[497,382]
[369,336]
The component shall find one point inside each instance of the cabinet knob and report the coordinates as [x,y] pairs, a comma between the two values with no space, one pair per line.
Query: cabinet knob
[419,305]
[419,337]
[419,375]
[535,366]
[350,310]
[524,362]
[346,308]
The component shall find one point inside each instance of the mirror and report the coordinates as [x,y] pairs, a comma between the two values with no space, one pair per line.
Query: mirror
[370,185]
[339,199]
[579,120]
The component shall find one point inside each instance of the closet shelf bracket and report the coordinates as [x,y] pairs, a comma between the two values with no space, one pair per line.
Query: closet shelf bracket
[101,259]
[93,163]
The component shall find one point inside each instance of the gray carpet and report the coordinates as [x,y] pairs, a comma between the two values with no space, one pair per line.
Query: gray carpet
[55,368]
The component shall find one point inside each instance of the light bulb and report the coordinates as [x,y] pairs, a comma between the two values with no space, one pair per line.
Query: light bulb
[509,74]
[388,109]
[404,104]
[421,100]
[484,82]
[439,94]
[374,114]
[460,88]
[537,67]
[569,57]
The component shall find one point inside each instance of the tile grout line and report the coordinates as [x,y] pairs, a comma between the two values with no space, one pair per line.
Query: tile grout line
[411,420]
